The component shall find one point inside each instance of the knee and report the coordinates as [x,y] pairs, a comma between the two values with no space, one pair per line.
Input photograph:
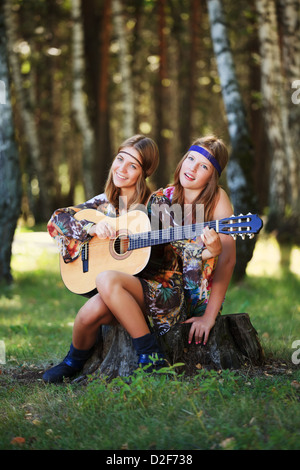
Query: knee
[90,313]
[106,283]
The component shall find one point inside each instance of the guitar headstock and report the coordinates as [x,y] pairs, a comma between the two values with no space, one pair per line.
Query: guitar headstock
[241,225]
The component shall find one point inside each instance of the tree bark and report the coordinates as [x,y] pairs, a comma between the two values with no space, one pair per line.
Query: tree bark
[162,102]
[79,101]
[272,95]
[233,344]
[289,16]
[239,169]
[10,181]
[97,24]
[125,70]
[26,110]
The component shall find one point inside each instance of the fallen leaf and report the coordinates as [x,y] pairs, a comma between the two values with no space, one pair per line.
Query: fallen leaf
[36,422]
[18,440]
[295,384]
[228,443]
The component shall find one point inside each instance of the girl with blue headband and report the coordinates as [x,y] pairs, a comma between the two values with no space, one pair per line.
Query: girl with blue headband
[196,182]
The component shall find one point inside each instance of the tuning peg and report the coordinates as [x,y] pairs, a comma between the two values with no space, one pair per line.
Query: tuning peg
[250,235]
[233,236]
[242,235]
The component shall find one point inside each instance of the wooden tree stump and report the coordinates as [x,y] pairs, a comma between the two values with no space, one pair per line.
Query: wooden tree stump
[233,344]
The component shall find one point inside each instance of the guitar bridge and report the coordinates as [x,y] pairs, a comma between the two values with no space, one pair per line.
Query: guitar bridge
[85,257]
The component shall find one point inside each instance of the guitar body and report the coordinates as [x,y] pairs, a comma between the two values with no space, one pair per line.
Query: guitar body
[130,250]
[106,254]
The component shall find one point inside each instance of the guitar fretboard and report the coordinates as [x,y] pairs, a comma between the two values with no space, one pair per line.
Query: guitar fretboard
[167,235]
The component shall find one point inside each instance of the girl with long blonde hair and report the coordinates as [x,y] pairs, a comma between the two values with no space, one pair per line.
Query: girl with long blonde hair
[196,182]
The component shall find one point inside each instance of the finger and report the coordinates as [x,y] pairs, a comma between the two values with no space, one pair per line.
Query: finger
[191,334]
[211,235]
[102,233]
[198,337]
[110,230]
[189,320]
[205,337]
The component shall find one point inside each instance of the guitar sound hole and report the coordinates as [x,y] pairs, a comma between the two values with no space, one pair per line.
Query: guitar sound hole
[121,244]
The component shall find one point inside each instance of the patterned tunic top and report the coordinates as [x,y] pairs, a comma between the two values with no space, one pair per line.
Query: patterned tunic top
[197,276]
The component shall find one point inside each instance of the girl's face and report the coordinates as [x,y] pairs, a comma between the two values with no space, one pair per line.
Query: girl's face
[195,172]
[126,169]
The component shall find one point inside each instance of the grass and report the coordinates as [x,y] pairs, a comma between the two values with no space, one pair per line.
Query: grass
[238,410]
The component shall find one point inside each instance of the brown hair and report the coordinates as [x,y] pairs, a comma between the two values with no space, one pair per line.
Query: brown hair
[208,197]
[149,153]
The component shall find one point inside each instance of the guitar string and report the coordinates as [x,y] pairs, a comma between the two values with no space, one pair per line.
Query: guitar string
[158,234]
[145,239]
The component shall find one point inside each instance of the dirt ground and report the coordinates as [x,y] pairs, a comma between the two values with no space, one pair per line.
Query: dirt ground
[27,375]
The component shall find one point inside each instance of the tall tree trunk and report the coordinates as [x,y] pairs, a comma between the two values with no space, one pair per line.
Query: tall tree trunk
[256,118]
[188,55]
[273,101]
[79,100]
[10,192]
[194,53]
[162,101]
[289,16]
[26,109]
[103,108]
[125,69]
[97,25]
[239,169]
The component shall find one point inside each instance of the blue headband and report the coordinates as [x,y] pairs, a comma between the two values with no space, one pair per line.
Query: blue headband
[207,155]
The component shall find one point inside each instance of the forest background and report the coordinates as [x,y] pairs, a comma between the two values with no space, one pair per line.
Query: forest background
[78,77]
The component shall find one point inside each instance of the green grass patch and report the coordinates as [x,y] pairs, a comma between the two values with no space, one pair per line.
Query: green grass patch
[239,410]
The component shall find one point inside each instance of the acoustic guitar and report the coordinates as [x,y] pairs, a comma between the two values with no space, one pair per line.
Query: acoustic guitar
[130,250]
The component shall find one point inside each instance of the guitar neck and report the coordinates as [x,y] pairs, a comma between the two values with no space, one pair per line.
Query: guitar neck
[159,237]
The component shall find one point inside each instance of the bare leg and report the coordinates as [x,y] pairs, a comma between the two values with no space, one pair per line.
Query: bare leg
[90,317]
[123,295]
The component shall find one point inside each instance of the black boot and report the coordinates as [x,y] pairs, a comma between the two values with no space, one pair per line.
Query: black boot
[149,353]
[69,367]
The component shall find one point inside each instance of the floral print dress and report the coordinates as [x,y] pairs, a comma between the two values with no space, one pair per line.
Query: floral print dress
[197,275]
[161,279]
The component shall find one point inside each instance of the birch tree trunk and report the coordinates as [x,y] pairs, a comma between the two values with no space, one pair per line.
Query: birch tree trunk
[273,107]
[239,169]
[79,100]
[10,182]
[26,108]
[125,69]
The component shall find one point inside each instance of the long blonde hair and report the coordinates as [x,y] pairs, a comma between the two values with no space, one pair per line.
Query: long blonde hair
[209,195]
[149,153]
